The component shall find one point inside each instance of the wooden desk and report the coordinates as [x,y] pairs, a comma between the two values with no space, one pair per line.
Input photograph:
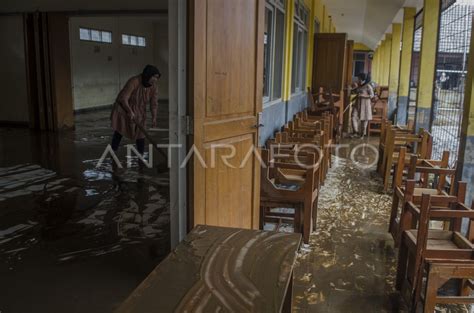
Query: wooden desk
[219,269]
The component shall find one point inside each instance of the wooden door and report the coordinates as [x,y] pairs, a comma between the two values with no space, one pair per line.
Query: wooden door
[329,64]
[225,97]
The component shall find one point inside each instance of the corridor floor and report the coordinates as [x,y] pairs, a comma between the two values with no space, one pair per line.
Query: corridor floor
[350,264]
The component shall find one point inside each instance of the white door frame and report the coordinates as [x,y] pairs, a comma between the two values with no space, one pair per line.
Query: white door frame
[177,118]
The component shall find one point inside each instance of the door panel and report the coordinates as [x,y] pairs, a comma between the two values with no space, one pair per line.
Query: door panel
[225,87]
[329,65]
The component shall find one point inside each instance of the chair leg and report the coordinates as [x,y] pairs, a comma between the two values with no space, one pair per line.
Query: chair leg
[430,295]
[402,265]
[393,213]
[315,214]
[307,210]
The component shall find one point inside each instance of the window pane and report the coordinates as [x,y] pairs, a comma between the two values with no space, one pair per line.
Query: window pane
[294,69]
[141,41]
[106,37]
[95,35]
[84,34]
[279,47]
[304,47]
[267,51]
[133,40]
[125,39]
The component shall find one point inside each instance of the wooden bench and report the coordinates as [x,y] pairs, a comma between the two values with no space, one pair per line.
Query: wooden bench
[218,269]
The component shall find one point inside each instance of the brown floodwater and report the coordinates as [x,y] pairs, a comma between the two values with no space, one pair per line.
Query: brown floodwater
[75,237]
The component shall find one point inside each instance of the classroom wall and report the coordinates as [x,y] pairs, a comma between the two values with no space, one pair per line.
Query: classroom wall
[275,115]
[100,70]
[12,63]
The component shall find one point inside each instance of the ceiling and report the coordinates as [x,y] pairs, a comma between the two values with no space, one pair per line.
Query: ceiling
[366,21]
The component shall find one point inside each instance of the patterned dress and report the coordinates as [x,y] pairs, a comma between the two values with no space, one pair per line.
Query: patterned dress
[137,97]
[366,93]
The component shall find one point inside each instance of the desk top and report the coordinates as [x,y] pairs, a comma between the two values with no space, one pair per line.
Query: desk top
[216,269]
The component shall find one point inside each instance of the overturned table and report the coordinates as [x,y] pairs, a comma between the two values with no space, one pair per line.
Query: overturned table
[218,269]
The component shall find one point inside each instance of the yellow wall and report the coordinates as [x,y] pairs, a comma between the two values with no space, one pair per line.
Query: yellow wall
[381,63]
[309,59]
[290,4]
[428,52]
[358,46]
[387,59]
[395,58]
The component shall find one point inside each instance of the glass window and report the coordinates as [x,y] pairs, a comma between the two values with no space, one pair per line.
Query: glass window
[279,48]
[95,35]
[142,41]
[300,47]
[267,50]
[84,34]
[106,37]
[133,40]
[125,39]
[274,40]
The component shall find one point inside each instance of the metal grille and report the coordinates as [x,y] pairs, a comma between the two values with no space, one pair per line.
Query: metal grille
[451,72]
[415,69]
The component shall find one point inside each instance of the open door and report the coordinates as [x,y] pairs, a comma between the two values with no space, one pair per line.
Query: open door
[225,98]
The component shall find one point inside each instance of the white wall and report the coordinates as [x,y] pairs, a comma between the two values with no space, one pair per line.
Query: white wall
[14,103]
[100,70]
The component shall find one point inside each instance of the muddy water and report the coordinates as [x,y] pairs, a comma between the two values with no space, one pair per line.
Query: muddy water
[350,264]
[73,237]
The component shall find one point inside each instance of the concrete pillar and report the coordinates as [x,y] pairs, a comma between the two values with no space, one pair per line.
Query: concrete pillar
[376,64]
[394,69]
[387,58]
[381,62]
[466,148]
[429,44]
[405,65]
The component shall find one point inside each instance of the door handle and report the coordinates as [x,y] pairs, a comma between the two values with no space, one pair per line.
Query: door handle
[258,126]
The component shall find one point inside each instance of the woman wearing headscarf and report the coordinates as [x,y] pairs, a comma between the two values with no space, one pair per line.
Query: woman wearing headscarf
[364,111]
[130,107]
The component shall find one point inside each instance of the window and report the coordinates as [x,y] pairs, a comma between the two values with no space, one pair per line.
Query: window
[132,40]
[359,63]
[300,47]
[87,34]
[274,37]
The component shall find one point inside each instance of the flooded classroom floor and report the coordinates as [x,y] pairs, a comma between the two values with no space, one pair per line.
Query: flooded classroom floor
[75,237]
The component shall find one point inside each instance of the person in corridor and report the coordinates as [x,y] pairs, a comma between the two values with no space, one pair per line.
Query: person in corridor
[130,107]
[363,111]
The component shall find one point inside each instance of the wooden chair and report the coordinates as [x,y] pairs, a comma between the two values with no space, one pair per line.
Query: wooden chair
[423,143]
[290,193]
[283,140]
[411,193]
[386,126]
[438,273]
[423,243]
[379,117]
[423,168]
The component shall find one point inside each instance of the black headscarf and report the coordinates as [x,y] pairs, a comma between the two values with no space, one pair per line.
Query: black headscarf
[148,72]
[364,78]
